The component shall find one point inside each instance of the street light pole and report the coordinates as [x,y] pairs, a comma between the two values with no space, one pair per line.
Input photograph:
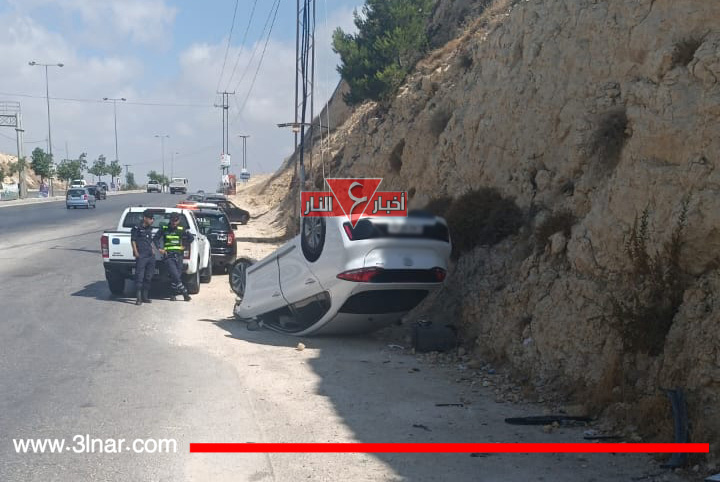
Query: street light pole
[47,97]
[115,101]
[162,149]
[172,164]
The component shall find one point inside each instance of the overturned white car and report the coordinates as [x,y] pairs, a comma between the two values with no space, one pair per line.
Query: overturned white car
[333,278]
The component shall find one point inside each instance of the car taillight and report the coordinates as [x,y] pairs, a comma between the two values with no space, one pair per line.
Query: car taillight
[348,231]
[231,238]
[186,254]
[85,196]
[440,274]
[362,275]
[104,246]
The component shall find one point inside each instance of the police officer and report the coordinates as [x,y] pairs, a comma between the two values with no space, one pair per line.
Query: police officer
[173,239]
[142,244]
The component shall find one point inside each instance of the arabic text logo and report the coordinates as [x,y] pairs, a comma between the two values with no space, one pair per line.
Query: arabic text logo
[353,198]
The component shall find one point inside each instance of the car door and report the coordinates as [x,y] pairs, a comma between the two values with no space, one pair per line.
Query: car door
[297,282]
[262,289]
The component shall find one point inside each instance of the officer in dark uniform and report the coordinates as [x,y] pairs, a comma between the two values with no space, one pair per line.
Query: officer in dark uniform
[173,240]
[143,249]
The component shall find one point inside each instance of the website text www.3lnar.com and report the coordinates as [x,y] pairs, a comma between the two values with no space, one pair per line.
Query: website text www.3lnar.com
[85,444]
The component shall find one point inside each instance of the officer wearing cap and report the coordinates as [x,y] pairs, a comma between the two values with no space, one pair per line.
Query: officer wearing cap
[173,239]
[142,245]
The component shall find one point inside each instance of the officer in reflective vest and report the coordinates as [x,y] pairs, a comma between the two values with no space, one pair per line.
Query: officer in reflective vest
[173,239]
[142,243]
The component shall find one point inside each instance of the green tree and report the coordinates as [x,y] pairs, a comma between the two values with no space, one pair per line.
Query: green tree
[99,167]
[70,169]
[154,176]
[391,37]
[114,169]
[3,173]
[42,164]
[130,181]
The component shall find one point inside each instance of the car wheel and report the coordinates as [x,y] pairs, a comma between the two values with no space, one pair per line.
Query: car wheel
[116,284]
[207,273]
[67,207]
[312,237]
[192,281]
[237,274]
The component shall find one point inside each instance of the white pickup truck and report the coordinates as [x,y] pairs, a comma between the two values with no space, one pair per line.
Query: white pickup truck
[119,262]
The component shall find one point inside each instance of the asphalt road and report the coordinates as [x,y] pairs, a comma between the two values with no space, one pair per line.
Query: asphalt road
[74,361]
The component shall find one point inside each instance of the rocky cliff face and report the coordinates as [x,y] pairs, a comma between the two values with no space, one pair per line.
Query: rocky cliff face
[601,119]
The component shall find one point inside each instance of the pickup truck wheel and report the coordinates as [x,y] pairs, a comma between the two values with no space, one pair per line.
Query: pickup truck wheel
[207,273]
[116,284]
[192,281]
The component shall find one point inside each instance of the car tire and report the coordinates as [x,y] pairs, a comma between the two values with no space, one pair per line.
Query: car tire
[312,237]
[192,281]
[237,275]
[67,207]
[207,273]
[116,284]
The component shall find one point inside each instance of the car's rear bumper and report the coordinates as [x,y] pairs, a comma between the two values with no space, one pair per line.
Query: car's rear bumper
[83,203]
[126,269]
[221,260]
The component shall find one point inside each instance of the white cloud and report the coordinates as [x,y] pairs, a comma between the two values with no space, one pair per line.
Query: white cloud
[105,22]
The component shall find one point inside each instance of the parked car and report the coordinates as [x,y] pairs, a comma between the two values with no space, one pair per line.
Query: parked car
[154,186]
[79,198]
[215,225]
[103,185]
[234,213]
[96,191]
[333,278]
[119,262]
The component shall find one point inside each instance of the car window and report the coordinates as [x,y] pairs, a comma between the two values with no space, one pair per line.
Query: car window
[134,218]
[208,223]
[76,192]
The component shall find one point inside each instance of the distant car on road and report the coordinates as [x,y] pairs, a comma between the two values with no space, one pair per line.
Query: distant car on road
[78,183]
[96,191]
[179,185]
[103,185]
[154,186]
[79,198]
[333,278]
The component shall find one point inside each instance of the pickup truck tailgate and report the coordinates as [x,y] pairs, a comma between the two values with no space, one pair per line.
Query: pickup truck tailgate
[119,246]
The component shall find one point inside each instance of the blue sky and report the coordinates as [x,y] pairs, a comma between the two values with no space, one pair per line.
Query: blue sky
[159,51]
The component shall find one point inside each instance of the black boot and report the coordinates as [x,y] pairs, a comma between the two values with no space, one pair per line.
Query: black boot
[185,294]
[146,295]
[139,300]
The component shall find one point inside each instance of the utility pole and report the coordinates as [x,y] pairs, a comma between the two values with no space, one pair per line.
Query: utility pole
[225,127]
[244,171]
[162,153]
[47,97]
[115,101]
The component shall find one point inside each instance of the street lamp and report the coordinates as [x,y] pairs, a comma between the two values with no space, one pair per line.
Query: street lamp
[162,138]
[115,101]
[47,97]
[172,164]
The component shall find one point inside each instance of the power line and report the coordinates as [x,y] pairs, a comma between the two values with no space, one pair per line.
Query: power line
[275,5]
[242,44]
[262,56]
[99,101]
[227,48]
